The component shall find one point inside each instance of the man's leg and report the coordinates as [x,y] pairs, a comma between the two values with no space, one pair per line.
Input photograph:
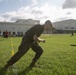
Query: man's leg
[23,48]
[36,48]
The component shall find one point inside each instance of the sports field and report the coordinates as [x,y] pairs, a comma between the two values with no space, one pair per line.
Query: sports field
[59,57]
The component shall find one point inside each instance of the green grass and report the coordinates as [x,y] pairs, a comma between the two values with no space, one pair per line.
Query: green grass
[59,58]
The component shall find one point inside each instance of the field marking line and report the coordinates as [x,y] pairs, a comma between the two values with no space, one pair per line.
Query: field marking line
[12,47]
[14,67]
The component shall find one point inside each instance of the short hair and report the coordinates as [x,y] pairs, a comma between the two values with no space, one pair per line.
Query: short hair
[48,22]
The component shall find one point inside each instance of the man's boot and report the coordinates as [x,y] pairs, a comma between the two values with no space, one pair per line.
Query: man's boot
[5,67]
[32,65]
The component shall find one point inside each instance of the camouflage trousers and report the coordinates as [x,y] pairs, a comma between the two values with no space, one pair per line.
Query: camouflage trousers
[23,48]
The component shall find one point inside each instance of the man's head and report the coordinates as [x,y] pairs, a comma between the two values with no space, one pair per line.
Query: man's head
[48,25]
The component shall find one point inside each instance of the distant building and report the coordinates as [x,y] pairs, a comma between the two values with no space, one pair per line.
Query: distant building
[20,25]
[65,25]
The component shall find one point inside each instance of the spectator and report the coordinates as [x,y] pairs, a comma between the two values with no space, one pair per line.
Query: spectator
[14,34]
[18,33]
[6,34]
[72,34]
[0,33]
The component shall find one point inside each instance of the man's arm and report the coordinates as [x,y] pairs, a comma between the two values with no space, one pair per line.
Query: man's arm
[35,38]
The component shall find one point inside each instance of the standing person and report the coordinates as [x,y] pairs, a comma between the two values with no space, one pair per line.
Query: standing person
[72,34]
[14,34]
[6,34]
[30,40]
[0,33]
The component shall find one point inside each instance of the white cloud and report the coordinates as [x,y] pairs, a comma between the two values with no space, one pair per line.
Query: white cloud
[69,4]
[34,2]
[42,13]
[2,19]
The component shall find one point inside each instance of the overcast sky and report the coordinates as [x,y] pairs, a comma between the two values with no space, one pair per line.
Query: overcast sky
[54,10]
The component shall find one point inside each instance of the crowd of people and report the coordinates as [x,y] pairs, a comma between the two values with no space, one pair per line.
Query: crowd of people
[6,33]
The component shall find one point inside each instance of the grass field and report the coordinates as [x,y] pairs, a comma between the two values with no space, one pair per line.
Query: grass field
[59,57]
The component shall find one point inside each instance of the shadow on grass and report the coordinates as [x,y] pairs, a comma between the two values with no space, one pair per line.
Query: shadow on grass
[25,71]
[72,45]
[2,72]
[2,40]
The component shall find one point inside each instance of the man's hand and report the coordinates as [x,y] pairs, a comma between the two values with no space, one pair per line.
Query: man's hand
[43,41]
[35,38]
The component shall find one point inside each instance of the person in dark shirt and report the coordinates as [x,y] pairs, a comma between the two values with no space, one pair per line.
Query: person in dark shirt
[72,34]
[30,40]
